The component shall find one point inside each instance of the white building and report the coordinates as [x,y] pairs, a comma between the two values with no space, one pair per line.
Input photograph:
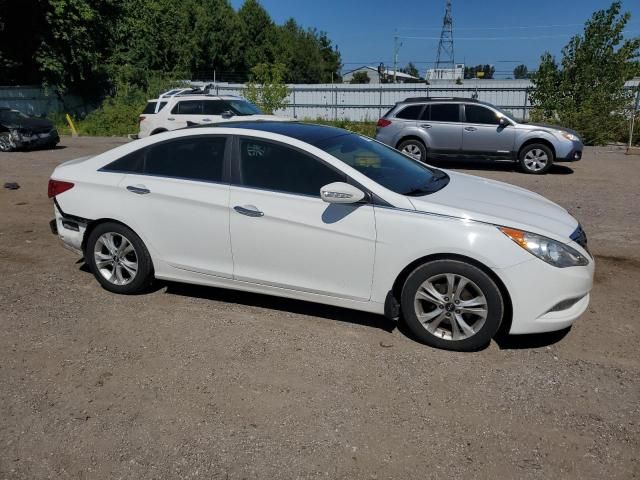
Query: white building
[446,73]
[374,76]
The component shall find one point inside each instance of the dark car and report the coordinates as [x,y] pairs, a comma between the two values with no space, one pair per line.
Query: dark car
[18,130]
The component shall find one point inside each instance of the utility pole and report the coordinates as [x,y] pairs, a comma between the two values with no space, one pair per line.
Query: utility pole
[396,49]
[445,58]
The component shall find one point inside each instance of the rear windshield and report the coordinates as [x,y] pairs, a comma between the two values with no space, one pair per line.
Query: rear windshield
[151,107]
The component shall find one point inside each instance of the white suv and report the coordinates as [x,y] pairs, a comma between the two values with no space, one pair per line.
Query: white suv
[183,107]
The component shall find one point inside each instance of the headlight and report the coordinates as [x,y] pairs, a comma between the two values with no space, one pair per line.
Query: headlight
[570,136]
[554,253]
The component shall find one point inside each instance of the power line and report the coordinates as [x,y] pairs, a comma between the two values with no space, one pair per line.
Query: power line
[513,27]
[475,39]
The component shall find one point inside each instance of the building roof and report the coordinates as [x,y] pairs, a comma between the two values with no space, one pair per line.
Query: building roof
[387,72]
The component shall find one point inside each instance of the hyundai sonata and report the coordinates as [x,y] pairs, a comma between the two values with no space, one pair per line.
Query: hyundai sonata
[325,215]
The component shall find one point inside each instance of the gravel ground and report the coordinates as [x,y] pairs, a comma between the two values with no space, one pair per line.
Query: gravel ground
[193,382]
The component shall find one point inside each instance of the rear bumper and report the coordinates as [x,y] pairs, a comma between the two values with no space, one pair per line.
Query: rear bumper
[69,229]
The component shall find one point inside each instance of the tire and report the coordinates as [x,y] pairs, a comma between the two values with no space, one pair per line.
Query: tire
[127,271]
[414,148]
[429,308]
[6,145]
[536,159]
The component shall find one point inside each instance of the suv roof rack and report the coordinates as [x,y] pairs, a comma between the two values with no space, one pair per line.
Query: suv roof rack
[425,99]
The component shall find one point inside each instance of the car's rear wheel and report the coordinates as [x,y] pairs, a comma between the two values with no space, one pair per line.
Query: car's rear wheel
[6,145]
[414,148]
[452,304]
[119,259]
[536,158]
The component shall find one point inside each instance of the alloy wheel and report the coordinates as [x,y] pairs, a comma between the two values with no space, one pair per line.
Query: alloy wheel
[536,159]
[115,258]
[412,150]
[450,306]
[5,142]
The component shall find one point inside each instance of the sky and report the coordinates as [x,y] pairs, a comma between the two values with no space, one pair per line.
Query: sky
[499,32]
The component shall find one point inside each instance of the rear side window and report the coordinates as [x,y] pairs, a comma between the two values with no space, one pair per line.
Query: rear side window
[444,112]
[151,107]
[188,107]
[273,166]
[191,158]
[478,114]
[412,112]
[214,107]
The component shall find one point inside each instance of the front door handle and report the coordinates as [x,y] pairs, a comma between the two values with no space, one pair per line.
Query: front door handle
[249,211]
[425,125]
[206,119]
[470,129]
[139,189]
[171,118]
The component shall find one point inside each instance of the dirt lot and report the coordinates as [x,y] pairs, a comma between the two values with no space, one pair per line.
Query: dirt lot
[190,382]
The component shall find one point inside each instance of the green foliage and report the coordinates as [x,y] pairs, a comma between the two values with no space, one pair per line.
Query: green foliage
[266,87]
[458,81]
[363,128]
[521,72]
[479,71]
[360,77]
[411,69]
[586,91]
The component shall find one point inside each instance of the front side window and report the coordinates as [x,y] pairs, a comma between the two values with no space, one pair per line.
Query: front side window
[214,107]
[273,166]
[188,107]
[384,165]
[191,158]
[242,107]
[411,112]
[482,115]
[444,112]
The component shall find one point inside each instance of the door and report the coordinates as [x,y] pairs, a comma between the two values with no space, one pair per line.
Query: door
[442,126]
[175,195]
[284,235]
[185,112]
[483,134]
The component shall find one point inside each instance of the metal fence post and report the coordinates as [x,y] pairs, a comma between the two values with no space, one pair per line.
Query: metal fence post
[294,101]
[335,102]
[380,103]
[526,99]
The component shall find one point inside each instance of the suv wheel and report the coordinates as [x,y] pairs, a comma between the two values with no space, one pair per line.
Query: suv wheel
[414,148]
[451,304]
[536,158]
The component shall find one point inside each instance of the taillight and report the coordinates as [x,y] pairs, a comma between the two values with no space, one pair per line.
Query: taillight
[383,122]
[140,119]
[56,187]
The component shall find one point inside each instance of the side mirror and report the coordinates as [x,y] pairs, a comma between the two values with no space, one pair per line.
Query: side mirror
[341,192]
[503,122]
[227,114]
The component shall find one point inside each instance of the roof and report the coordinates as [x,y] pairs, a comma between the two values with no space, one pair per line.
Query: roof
[305,132]
[386,71]
[197,97]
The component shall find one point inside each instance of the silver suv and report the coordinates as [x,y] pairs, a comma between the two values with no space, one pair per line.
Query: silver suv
[438,128]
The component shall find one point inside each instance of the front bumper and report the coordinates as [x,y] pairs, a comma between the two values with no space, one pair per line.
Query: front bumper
[571,152]
[546,298]
[36,140]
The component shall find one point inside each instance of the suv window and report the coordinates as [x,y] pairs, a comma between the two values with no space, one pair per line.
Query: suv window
[276,167]
[214,107]
[479,114]
[412,112]
[151,107]
[444,112]
[188,107]
[192,158]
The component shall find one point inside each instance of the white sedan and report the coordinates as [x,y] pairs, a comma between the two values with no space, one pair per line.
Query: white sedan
[325,215]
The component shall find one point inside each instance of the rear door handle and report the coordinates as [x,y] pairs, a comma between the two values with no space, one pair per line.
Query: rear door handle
[206,119]
[425,125]
[249,211]
[139,189]
[171,118]
[470,129]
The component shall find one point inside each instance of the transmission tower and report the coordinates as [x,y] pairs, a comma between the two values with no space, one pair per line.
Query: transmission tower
[445,47]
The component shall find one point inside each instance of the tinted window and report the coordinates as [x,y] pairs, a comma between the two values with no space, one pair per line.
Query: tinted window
[411,112]
[478,114]
[151,107]
[277,167]
[214,107]
[194,158]
[444,112]
[188,107]
[384,165]
[242,107]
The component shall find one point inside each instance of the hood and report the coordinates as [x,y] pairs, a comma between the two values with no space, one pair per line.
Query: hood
[549,126]
[499,203]
[29,123]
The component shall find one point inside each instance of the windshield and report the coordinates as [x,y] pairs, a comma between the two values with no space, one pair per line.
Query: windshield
[503,113]
[384,165]
[242,108]
[12,115]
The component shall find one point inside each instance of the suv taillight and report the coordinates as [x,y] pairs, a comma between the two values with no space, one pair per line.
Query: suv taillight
[383,122]
[140,119]
[56,187]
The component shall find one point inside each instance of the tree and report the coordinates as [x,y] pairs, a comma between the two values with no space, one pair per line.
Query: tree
[586,90]
[266,87]
[521,72]
[479,71]
[360,77]
[411,69]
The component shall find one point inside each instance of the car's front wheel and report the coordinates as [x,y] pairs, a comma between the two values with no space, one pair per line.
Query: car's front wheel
[414,148]
[118,258]
[536,158]
[452,304]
